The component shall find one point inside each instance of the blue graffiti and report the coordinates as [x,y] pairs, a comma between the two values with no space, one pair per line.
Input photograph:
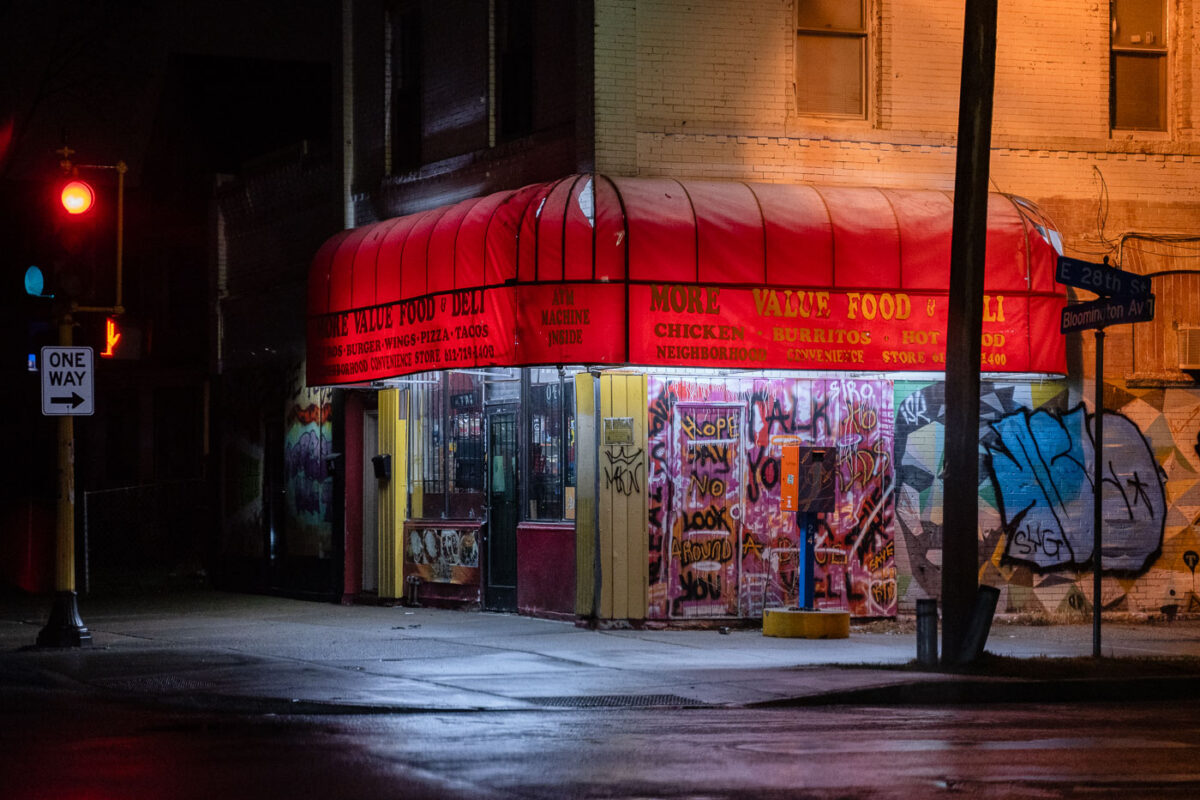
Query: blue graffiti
[304,461]
[1041,466]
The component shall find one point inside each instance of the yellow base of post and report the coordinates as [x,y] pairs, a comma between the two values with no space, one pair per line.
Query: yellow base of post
[797,623]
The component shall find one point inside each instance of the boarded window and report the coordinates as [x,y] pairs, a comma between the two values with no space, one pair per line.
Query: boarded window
[831,57]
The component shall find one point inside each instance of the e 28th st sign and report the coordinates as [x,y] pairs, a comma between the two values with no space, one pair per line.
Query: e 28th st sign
[1100,278]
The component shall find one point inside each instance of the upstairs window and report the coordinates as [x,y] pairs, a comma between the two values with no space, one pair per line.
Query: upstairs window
[404,87]
[514,67]
[1138,66]
[831,58]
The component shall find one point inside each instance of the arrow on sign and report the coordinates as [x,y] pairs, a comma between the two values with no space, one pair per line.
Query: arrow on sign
[73,401]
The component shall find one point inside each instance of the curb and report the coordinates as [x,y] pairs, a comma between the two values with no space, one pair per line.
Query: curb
[984,691]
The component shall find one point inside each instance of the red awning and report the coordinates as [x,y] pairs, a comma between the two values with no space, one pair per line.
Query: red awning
[656,271]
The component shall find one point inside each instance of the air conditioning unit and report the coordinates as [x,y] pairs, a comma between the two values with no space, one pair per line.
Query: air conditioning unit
[1189,347]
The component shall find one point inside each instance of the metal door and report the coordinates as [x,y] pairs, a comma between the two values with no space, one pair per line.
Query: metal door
[500,575]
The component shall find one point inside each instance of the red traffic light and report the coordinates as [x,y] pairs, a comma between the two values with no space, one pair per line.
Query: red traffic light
[77,197]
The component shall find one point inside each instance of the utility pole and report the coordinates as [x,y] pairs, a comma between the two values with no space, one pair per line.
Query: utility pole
[960,515]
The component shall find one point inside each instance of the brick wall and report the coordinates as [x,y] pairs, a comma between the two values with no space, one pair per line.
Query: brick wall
[705,90]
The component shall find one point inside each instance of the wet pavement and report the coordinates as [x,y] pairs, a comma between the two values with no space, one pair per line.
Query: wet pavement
[213,649]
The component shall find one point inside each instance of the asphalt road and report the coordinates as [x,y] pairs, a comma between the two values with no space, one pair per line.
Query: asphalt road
[56,742]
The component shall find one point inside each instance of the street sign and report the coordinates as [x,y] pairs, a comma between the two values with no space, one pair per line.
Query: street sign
[1100,278]
[1107,311]
[67,382]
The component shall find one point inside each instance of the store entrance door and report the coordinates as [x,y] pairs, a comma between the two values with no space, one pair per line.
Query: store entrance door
[500,578]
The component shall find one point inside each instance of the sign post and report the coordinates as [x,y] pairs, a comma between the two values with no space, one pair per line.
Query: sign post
[66,393]
[1125,297]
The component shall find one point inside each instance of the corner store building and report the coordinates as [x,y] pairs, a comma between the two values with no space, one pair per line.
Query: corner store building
[721,320]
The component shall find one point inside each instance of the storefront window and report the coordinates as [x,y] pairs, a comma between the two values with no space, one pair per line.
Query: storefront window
[446,446]
[551,438]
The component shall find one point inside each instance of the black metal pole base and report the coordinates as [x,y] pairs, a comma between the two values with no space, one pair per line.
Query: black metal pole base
[65,628]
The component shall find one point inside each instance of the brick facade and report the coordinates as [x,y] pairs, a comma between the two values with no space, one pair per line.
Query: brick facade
[708,92]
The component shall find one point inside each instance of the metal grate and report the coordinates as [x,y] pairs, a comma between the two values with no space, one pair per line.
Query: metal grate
[1189,347]
[613,701]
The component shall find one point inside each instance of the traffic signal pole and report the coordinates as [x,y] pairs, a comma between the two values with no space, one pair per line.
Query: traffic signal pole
[65,627]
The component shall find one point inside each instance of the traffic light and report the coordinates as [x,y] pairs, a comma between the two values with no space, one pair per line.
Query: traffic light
[77,197]
[73,254]
[121,338]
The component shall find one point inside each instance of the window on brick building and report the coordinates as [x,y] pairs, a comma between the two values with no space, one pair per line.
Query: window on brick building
[1138,65]
[514,67]
[831,57]
[404,82]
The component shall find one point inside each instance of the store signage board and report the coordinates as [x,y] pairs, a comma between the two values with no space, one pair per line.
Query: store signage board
[652,324]
[67,381]
[1107,311]
[1100,278]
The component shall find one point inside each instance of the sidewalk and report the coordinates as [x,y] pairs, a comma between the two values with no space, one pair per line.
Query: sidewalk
[211,649]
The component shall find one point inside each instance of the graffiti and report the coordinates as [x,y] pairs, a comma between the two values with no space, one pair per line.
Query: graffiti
[883,593]
[763,473]
[706,486]
[716,468]
[1191,558]
[692,551]
[713,518]
[308,491]
[877,560]
[442,555]
[913,410]
[702,455]
[705,457]
[699,586]
[751,546]
[623,472]
[660,413]
[721,428]
[1040,464]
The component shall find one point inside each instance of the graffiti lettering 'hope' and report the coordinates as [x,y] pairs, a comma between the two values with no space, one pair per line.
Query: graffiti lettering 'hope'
[721,427]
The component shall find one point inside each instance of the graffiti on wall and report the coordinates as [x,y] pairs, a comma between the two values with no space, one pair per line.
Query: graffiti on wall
[1035,494]
[442,555]
[706,531]
[308,436]
[1042,465]
[715,518]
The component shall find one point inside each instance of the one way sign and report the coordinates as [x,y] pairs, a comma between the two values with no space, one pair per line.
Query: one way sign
[67,381]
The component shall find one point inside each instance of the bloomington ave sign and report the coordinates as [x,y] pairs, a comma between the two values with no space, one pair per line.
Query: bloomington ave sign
[67,380]
[1124,296]
[1107,311]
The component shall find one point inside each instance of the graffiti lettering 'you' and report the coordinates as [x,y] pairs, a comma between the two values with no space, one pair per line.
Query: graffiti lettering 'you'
[700,586]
